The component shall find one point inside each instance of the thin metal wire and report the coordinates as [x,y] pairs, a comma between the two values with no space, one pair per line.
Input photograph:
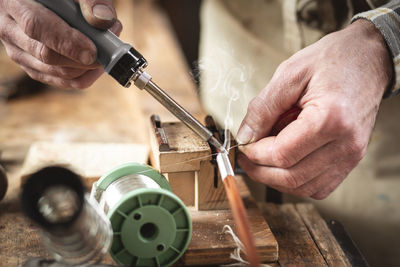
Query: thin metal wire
[190,160]
[116,190]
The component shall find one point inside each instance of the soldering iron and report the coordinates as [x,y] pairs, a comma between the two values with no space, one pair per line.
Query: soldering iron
[125,64]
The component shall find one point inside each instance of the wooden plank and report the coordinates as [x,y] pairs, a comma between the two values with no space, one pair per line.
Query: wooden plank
[209,246]
[182,184]
[296,246]
[324,239]
[88,160]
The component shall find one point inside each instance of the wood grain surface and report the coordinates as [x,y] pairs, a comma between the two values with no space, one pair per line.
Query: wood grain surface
[326,243]
[296,245]
[210,246]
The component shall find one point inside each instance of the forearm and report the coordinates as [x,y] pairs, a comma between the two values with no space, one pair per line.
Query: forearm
[387,20]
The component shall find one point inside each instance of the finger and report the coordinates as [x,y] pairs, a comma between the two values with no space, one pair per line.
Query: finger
[40,24]
[310,131]
[117,28]
[328,188]
[273,176]
[81,82]
[318,188]
[281,93]
[312,166]
[323,185]
[22,58]
[99,13]
[14,35]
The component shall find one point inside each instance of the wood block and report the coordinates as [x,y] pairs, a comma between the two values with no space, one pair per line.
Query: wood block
[89,160]
[210,246]
[182,184]
[209,196]
[189,154]
[187,149]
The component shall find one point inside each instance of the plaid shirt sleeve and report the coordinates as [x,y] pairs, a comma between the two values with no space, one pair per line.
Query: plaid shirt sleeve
[387,20]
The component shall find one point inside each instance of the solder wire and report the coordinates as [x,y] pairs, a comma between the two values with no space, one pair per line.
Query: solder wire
[191,160]
[117,189]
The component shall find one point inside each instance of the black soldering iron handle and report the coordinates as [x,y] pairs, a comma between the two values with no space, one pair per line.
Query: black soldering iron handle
[119,59]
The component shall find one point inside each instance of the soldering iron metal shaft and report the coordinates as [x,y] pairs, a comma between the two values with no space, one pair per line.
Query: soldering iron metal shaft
[143,80]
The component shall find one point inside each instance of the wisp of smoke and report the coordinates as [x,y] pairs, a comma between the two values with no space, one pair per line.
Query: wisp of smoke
[229,78]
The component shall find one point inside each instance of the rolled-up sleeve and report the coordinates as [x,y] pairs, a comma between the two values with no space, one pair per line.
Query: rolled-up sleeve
[387,20]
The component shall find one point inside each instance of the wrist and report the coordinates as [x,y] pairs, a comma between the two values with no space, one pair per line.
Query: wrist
[379,55]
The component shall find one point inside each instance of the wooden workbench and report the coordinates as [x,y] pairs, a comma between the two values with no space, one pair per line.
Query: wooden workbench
[107,112]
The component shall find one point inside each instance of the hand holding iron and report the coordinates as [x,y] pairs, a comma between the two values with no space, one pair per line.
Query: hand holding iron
[47,48]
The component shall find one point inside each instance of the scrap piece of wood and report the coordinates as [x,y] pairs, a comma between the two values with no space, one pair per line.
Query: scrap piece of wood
[324,239]
[210,189]
[210,246]
[182,184]
[89,160]
[189,153]
[187,149]
[209,196]
[296,246]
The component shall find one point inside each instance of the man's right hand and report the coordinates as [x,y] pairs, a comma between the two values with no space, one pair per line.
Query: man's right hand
[47,48]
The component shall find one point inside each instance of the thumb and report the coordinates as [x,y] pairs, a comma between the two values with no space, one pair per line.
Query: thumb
[279,96]
[99,13]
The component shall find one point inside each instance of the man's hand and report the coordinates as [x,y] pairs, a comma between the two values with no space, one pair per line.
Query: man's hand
[47,48]
[338,83]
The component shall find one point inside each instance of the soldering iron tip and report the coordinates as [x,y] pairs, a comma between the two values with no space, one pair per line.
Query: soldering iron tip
[217,144]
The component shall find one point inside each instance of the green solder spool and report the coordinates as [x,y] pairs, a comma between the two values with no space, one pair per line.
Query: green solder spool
[151,225]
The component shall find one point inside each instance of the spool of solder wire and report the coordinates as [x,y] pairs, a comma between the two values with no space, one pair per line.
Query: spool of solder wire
[151,225]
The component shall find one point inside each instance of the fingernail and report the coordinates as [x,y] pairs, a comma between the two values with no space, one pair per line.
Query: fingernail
[245,135]
[103,12]
[86,58]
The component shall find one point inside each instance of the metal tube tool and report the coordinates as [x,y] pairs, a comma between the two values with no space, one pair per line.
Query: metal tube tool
[125,64]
